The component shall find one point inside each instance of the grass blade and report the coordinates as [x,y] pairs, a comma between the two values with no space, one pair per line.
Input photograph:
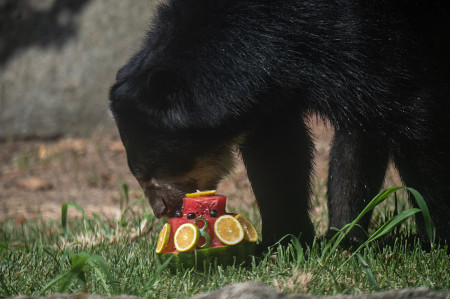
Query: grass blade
[124,195]
[79,265]
[298,250]
[81,262]
[429,224]
[368,272]
[129,206]
[391,224]
[101,269]
[395,221]
[65,206]
[337,239]
[384,229]
[4,286]
[65,279]
[51,283]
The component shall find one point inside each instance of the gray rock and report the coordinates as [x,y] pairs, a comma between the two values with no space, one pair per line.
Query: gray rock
[75,296]
[254,290]
[58,59]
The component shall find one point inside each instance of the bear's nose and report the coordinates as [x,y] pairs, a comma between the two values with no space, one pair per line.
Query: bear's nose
[159,211]
[158,205]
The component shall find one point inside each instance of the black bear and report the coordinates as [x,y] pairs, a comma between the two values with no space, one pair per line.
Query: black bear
[219,75]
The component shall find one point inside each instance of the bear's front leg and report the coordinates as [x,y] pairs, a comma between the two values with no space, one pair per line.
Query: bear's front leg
[357,169]
[278,157]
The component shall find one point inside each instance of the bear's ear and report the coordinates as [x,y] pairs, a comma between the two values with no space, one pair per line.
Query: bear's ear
[162,86]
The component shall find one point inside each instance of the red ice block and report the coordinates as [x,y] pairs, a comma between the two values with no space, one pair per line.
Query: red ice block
[201,207]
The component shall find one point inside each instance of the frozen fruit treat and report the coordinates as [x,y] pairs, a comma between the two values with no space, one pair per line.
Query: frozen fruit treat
[202,233]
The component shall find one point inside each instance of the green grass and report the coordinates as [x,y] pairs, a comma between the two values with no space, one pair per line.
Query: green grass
[100,256]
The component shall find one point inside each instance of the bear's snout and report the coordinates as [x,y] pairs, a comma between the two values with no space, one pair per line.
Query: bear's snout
[164,198]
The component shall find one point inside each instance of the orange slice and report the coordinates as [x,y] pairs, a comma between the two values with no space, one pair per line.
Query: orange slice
[228,230]
[250,233]
[202,193]
[186,237]
[163,238]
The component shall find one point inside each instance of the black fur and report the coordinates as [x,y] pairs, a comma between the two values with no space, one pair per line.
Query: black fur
[212,75]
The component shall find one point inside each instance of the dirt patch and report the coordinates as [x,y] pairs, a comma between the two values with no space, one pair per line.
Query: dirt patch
[37,176]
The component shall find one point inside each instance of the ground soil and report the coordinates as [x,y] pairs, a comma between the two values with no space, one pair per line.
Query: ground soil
[37,176]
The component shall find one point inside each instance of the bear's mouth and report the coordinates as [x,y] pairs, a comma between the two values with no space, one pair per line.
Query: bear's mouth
[164,200]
